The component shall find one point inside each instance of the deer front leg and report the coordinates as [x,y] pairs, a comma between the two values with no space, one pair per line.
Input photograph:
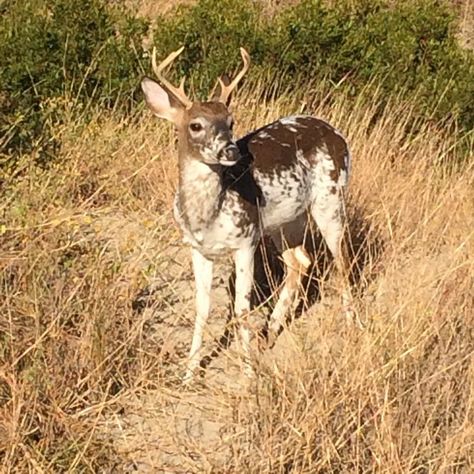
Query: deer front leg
[244,267]
[202,268]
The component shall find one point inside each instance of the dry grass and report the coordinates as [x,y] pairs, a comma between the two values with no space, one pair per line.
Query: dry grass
[89,383]
[154,8]
[466,24]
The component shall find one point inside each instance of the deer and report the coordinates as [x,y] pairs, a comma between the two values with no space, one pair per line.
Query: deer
[232,193]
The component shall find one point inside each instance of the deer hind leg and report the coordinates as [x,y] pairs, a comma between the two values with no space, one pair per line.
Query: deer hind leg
[328,213]
[297,262]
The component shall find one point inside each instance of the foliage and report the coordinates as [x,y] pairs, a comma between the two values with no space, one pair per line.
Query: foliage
[212,32]
[407,47]
[65,55]
[61,53]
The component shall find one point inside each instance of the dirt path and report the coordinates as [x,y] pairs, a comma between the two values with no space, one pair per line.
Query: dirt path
[175,429]
[170,428]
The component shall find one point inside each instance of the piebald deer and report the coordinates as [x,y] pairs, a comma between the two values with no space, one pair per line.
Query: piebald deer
[233,192]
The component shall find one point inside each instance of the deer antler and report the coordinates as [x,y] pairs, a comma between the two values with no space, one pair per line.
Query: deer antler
[178,92]
[226,90]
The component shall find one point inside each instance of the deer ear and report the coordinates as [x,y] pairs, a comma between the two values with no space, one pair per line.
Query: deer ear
[160,102]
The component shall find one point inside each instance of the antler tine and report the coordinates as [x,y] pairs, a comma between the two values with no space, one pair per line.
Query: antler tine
[227,90]
[181,85]
[178,92]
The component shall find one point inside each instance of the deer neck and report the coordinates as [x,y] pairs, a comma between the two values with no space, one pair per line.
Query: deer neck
[200,193]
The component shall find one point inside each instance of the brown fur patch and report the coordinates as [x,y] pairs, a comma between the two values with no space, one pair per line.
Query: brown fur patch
[277,144]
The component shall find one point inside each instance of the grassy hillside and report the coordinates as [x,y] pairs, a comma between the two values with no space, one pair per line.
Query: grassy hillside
[90,381]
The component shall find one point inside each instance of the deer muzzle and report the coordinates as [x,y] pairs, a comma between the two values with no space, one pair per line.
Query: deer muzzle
[228,155]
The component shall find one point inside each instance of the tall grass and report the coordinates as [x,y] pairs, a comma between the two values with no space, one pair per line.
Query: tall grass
[89,383]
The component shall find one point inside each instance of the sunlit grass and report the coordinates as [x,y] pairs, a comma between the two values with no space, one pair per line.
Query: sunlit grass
[81,238]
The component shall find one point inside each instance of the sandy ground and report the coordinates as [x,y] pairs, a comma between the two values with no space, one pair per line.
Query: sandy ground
[173,428]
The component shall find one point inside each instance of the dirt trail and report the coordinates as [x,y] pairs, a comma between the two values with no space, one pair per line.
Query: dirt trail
[173,429]
[169,429]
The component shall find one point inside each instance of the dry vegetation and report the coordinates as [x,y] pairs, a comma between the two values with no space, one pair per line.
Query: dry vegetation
[89,381]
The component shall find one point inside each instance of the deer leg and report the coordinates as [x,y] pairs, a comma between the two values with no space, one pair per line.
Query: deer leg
[203,277]
[297,262]
[328,218]
[244,268]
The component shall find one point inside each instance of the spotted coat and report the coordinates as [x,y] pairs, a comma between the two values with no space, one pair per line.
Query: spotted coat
[293,165]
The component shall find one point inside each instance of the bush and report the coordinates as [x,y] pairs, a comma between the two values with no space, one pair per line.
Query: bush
[212,32]
[407,48]
[61,52]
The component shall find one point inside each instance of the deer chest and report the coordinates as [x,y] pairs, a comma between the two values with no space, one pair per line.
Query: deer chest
[227,228]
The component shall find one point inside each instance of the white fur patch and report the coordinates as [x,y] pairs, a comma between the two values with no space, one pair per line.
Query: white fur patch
[302,160]
[285,195]
[291,120]
[213,230]
[264,134]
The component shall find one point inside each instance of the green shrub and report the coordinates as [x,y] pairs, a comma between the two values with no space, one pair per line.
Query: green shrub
[61,51]
[407,48]
[212,32]
[61,54]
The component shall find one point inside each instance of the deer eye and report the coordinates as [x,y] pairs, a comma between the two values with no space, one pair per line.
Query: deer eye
[231,125]
[195,127]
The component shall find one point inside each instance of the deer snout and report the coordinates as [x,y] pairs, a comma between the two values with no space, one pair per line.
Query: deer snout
[228,155]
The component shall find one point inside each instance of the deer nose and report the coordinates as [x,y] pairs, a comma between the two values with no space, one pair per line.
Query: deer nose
[228,155]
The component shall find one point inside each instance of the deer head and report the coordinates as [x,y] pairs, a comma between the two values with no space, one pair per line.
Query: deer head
[204,128]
